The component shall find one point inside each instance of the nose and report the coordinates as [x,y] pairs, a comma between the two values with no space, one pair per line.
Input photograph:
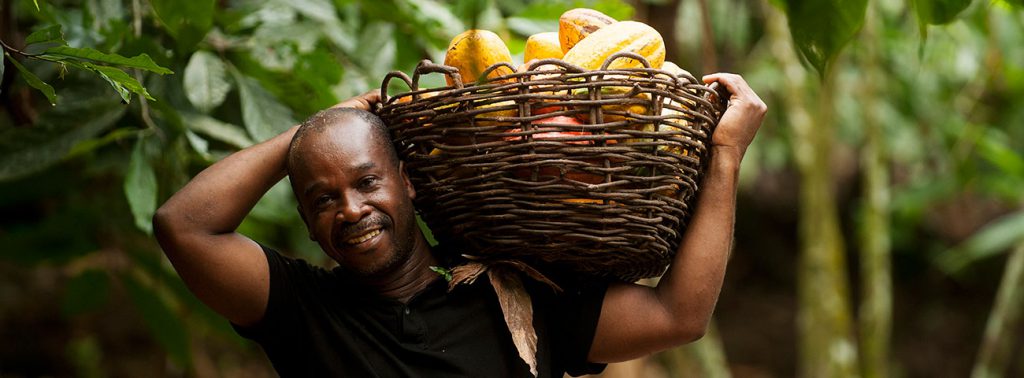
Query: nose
[354,209]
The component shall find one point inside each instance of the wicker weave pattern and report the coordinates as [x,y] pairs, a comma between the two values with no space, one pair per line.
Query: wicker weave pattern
[607,198]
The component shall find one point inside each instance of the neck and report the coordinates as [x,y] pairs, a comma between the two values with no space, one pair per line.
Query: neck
[409,277]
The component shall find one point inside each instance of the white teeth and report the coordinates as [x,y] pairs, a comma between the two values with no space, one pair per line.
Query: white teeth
[363,237]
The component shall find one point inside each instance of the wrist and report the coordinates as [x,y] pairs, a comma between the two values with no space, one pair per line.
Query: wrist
[726,157]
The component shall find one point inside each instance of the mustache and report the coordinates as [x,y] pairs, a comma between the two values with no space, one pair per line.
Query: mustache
[347,231]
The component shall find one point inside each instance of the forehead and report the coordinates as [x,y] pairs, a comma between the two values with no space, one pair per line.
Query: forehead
[341,148]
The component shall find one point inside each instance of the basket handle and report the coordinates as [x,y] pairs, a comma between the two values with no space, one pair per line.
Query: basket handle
[718,96]
[387,79]
[569,67]
[495,67]
[625,54]
[426,66]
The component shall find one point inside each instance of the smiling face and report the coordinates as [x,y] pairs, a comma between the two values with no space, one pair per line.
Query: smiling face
[354,196]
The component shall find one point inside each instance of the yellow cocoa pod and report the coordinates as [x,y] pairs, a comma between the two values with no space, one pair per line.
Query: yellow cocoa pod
[627,36]
[674,69]
[543,46]
[473,51]
[575,24]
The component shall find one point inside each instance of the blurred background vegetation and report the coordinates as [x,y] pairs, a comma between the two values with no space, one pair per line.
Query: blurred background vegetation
[880,228]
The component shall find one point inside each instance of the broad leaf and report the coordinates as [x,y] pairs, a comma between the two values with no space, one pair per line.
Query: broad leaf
[86,292]
[377,61]
[186,21]
[214,128]
[24,151]
[33,80]
[320,10]
[277,205]
[434,18]
[263,115]
[163,322]
[996,237]
[938,12]
[821,28]
[140,187]
[205,82]
[123,83]
[49,34]
[141,61]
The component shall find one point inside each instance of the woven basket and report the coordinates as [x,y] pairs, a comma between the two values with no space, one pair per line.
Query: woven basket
[608,196]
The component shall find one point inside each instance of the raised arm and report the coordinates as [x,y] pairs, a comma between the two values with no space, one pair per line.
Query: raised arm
[637,320]
[196,227]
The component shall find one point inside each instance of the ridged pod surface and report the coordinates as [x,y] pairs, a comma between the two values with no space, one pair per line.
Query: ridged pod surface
[473,51]
[627,36]
[576,24]
[543,46]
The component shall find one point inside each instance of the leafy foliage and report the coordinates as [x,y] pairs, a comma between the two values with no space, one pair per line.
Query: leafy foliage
[822,28]
[83,168]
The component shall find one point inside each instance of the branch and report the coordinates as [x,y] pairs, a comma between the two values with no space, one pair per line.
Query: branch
[16,51]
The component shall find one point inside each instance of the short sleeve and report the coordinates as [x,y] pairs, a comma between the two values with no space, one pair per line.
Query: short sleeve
[573,323]
[286,275]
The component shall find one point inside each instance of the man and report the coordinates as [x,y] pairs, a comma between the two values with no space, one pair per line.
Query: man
[383,312]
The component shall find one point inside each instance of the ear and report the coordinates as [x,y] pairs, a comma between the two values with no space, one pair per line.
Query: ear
[405,180]
[306,222]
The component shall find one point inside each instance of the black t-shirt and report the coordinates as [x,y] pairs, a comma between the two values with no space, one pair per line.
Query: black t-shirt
[318,323]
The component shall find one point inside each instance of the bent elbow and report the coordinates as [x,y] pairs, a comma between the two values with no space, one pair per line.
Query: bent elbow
[164,226]
[689,332]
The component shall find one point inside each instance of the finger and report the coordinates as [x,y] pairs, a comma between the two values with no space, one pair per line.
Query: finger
[736,85]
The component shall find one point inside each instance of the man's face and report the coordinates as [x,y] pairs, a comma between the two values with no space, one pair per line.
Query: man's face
[355,199]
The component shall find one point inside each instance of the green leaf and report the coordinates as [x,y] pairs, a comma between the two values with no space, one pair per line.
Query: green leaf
[141,61]
[80,116]
[320,10]
[186,21]
[140,187]
[214,128]
[36,2]
[205,82]
[263,115]
[433,18]
[994,238]
[938,12]
[427,233]
[551,10]
[277,205]
[163,322]
[377,61]
[86,292]
[821,28]
[123,83]
[49,34]
[993,148]
[33,80]
[447,274]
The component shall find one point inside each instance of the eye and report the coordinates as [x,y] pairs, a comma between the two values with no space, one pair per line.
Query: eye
[368,183]
[322,200]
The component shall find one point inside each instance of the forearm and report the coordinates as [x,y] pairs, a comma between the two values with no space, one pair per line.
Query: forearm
[690,288]
[218,198]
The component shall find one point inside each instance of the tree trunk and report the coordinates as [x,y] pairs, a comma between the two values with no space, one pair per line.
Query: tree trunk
[824,321]
[875,257]
[1002,330]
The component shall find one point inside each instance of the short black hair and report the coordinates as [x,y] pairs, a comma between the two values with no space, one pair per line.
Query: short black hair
[337,117]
